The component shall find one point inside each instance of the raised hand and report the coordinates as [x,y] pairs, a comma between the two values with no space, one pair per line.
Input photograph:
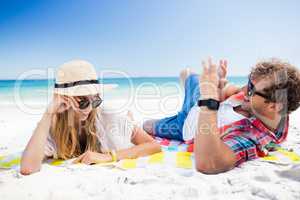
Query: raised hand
[209,80]
[222,73]
[58,104]
[222,69]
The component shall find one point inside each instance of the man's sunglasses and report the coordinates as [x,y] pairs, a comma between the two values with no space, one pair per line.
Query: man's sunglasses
[251,91]
[85,102]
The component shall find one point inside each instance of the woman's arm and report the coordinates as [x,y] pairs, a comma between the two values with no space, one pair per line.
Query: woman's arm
[144,145]
[33,154]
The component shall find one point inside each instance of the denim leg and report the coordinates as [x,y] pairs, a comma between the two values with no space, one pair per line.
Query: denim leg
[192,94]
[171,127]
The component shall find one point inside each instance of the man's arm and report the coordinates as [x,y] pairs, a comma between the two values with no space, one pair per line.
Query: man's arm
[229,90]
[211,154]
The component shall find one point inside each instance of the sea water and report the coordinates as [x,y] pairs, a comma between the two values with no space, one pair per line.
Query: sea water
[40,91]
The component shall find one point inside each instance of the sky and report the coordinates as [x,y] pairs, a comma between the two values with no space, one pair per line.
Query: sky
[146,37]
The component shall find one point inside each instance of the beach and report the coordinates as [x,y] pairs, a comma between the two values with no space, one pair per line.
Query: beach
[252,180]
[142,53]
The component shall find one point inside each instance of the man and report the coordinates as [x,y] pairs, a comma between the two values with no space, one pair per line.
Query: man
[230,132]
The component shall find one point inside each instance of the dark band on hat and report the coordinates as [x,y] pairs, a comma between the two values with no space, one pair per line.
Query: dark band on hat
[76,83]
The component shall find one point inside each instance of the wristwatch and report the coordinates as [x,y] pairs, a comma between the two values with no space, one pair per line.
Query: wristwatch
[211,104]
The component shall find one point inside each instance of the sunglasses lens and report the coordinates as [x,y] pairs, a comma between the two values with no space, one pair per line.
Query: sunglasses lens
[96,103]
[250,89]
[83,104]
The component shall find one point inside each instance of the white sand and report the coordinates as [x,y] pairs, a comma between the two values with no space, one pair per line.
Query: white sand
[253,180]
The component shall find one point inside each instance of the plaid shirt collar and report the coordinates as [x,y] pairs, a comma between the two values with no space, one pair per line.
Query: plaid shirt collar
[281,132]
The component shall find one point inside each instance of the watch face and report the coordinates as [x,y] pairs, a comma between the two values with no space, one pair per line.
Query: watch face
[213,104]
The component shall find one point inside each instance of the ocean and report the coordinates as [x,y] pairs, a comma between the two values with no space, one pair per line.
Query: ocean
[40,91]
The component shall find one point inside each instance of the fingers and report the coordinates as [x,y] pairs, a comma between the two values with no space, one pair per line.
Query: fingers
[63,104]
[58,104]
[75,100]
[212,65]
[225,63]
[221,63]
[73,103]
[79,159]
[209,67]
[224,68]
[85,158]
[205,68]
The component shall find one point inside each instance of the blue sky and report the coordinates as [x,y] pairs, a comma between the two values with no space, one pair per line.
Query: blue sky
[146,38]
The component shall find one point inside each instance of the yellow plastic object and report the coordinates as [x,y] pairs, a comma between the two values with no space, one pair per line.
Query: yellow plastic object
[291,155]
[183,160]
[11,163]
[129,163]
[57,162]
[156,158]
[270,158]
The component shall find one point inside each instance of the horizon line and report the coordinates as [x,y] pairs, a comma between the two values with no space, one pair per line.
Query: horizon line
[40,79]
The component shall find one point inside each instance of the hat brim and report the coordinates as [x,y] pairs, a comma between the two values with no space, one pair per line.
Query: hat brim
[85,90]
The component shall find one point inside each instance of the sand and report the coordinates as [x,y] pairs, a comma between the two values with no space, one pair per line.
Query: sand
[253,180]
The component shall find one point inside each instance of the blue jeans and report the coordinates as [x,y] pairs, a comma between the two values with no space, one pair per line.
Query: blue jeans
[171,127]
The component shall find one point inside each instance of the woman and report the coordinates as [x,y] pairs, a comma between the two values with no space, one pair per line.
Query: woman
[74,125]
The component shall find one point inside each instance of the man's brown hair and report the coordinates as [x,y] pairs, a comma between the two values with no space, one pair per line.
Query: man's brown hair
[285,83]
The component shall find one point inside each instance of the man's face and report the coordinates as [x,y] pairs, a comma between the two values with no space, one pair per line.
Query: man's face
[256,103]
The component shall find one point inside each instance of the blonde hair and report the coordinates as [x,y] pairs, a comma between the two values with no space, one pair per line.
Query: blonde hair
[66,137]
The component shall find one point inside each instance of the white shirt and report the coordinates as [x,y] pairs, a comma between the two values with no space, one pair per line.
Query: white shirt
[226,115]
[114,133]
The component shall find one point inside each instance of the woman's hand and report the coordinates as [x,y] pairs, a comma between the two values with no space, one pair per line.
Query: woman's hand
[61,103]
[90,157]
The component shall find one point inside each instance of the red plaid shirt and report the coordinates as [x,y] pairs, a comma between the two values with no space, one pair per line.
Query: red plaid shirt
[249,138]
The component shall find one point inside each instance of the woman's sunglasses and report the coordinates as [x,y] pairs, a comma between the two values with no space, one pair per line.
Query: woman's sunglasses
[251,91]
[85,102]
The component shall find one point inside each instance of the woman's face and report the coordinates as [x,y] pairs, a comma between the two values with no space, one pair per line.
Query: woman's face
[84,106]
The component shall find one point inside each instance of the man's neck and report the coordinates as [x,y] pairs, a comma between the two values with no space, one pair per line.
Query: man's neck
[271,122]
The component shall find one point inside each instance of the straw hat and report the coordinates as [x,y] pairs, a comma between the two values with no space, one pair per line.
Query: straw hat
[77,78]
